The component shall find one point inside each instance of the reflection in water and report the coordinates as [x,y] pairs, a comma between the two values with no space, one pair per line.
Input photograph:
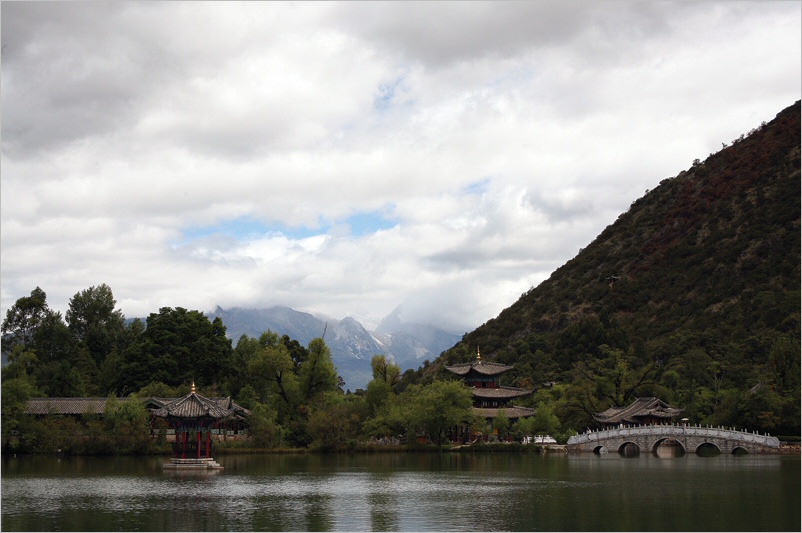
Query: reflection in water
[708,450]
[669,449]
[383,503]
[629,449]
[406,492]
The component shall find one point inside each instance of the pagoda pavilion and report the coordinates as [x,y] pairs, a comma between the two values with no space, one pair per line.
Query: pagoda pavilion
[643,411]
[490,398]
[192,417]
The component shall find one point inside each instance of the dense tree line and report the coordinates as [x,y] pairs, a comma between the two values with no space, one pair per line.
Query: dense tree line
[297,398]
[294,392]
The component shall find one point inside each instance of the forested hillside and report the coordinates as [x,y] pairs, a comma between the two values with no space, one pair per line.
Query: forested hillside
[692,295]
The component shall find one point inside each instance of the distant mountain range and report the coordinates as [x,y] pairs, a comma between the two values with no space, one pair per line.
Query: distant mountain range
[352,345]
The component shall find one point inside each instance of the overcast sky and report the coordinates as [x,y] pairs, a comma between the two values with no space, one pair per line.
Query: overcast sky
[350,158]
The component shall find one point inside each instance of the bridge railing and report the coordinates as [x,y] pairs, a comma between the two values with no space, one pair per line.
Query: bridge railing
[675,430]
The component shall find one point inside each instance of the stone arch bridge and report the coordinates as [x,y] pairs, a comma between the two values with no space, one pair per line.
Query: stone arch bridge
[691,438]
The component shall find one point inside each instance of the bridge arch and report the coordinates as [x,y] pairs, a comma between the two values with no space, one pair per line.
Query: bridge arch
[600,450]
[707,448]
[667,442]
[629,448]
[739,450]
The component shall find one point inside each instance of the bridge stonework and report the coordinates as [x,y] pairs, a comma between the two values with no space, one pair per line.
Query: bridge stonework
[690,438]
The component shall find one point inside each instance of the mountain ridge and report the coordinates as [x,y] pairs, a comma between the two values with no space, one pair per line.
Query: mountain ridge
[352,345]
[694,290]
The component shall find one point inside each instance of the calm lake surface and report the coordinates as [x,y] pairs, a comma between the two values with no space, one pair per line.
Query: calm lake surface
[405,492]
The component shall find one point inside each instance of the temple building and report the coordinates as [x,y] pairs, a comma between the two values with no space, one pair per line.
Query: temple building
[192,417]
[489,398]
[234,426]
[643,411]
[193,422]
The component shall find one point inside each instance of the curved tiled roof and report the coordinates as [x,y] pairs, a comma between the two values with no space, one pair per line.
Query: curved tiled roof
[67,406]
[500,392]
[193,405]
[480,367]
[511,411]
[97,405]
[639,409]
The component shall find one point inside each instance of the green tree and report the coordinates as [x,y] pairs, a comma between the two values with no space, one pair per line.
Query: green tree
[393,418]
[110,373]
[524,427]
[157,389]
[22,363]
[23,318]
[377,394]
[82,362]
[545,421]
[271,373]
[52,340]
[613,380]
[128,422]
[177,347]
[264,427]
[46,342]
[59,379]
[15,394]
[94,322]
[248,398]
[501,423]
[317,373]
[438,407]
[384,370]
[244,352]
[30,323]
[335,421]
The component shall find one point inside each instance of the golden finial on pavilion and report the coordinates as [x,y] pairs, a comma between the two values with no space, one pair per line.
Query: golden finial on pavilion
[478,355]
[192,390]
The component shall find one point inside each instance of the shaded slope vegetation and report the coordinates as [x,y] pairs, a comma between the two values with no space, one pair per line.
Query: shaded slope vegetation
[693,294]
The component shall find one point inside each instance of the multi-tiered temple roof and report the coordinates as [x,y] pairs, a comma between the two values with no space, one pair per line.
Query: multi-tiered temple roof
[489,398]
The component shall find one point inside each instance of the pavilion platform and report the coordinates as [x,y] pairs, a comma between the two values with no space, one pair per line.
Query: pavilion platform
[202,463]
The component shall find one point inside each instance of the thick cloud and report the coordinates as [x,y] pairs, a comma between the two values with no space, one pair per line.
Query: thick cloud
[348,158]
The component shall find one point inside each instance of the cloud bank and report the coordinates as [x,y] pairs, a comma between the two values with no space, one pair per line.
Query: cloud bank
[348,158]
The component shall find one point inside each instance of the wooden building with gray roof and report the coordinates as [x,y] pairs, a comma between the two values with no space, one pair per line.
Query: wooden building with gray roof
[647,411]
[234,421]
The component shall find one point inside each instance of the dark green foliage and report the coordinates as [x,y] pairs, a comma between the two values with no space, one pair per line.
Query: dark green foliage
[335,422]
[264,427]
[95,323]
[129,424]
[15,394]
[23,319]
[438,407]
[177,346]
[384,370]
[317,374]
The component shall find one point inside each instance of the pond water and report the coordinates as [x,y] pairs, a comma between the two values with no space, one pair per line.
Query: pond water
[405,492]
